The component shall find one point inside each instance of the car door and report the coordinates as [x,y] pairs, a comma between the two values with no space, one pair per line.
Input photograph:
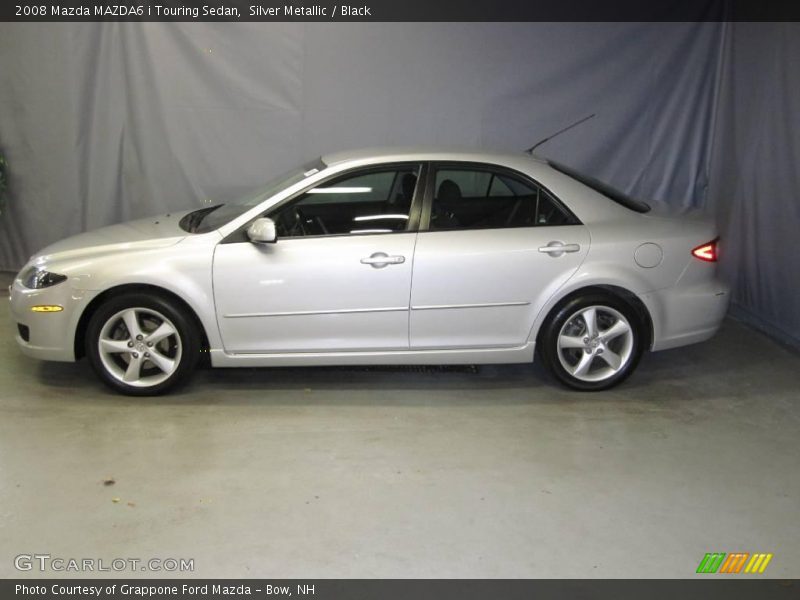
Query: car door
[493,248]
[338,278]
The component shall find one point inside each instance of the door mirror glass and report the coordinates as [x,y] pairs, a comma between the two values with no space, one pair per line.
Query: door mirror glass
[262,231]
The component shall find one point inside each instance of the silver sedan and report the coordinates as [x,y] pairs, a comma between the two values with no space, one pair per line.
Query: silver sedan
[403,256]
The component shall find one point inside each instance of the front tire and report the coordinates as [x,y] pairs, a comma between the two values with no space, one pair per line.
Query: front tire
[142,345]
[592,342]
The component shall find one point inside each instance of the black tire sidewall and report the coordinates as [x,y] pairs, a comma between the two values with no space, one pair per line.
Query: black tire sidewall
[548,341]
[186,329]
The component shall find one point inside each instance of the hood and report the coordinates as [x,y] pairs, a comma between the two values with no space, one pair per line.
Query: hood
[152,232]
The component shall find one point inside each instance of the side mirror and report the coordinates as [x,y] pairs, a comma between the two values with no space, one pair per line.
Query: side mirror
[262,231]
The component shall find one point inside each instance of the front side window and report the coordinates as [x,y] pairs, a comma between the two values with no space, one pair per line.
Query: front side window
[377,200]
[479,198]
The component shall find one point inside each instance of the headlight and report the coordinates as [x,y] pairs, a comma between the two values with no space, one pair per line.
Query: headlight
[36,279]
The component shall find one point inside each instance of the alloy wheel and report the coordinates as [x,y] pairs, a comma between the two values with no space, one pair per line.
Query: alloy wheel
[595,343]
[140,347]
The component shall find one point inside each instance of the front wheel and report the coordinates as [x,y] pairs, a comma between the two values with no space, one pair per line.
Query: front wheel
[142,345]
[593,342]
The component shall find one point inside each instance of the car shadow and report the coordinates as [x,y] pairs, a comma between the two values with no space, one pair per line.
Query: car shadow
[312,385]
[680,375]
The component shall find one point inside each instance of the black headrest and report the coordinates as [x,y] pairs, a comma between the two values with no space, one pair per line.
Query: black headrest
[449,190]
[407,185]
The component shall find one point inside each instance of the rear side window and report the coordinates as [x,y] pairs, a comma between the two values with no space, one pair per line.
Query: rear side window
[606,190]
[482,198]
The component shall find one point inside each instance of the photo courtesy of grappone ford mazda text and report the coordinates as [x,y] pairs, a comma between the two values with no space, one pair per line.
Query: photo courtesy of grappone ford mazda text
[404,256]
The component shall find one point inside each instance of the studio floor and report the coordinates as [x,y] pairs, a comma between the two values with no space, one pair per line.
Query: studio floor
[487,472]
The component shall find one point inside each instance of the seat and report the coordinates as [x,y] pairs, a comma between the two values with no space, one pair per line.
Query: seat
[402,201]
[407,185]
[448,191]
[447,197]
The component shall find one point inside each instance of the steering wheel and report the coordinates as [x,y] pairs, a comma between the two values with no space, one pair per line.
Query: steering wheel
[292,223]
[300,222]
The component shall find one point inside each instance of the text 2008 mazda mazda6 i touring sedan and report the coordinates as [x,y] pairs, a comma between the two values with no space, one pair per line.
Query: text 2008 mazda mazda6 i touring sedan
[381,257]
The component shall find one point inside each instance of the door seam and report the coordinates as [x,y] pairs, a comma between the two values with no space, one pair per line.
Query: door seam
[411,289]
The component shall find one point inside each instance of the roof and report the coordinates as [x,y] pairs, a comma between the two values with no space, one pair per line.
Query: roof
[408,153]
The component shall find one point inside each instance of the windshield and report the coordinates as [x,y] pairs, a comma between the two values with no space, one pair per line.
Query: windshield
[598,186]
[213,217]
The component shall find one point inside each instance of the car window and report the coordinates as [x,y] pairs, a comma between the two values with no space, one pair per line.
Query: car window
[371,201]
[370,187]
[479,198]
[499,188]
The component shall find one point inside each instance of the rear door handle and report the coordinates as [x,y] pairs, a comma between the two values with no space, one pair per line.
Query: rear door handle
[555,248]
[378,260]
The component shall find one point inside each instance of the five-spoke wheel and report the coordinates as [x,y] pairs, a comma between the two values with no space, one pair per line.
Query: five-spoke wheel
[142,345]
[592,342]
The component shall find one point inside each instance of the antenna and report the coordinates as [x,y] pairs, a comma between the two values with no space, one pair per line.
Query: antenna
[559,132]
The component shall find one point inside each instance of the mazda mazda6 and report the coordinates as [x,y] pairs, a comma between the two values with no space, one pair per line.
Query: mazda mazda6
[402,256]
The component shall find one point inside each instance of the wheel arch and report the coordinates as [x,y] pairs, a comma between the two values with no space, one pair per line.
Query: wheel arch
[615,291]
[119,290]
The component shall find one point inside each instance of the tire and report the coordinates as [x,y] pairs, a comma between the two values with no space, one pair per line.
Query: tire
[160,354]
[593,342]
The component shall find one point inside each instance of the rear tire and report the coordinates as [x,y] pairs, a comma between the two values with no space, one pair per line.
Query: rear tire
[142,345]
[593,342]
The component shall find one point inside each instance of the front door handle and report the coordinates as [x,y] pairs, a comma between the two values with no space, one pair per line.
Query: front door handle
[555,248]
[378,260]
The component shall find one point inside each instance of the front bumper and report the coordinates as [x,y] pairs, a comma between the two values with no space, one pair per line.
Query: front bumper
[51,335]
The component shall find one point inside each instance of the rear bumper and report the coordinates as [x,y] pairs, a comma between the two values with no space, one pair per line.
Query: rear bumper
[50,336]
[684,315]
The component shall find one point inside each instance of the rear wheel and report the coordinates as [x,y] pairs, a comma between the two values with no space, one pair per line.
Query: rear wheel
[142,345]
[593,342]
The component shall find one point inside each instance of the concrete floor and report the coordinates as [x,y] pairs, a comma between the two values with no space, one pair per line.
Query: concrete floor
[410,473]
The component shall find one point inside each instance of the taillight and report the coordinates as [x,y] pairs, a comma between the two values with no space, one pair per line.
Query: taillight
[708,251]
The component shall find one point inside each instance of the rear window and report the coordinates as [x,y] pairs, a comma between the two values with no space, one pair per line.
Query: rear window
[606,190]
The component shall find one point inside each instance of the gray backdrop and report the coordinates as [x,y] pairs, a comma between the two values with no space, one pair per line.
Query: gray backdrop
[755,187]
[105,122]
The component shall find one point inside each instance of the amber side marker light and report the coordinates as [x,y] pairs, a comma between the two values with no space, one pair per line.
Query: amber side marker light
[47,308]
[707,252]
